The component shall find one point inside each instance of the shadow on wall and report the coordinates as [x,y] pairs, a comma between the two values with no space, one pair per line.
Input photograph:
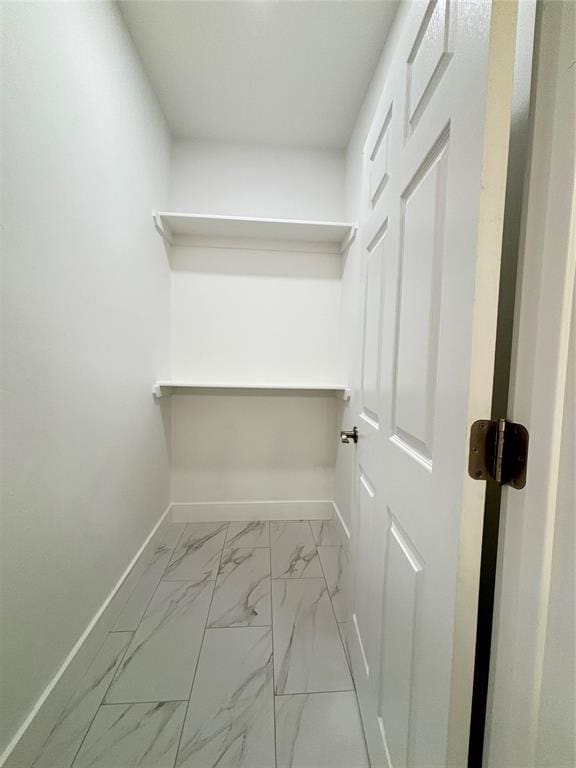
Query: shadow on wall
[253,261]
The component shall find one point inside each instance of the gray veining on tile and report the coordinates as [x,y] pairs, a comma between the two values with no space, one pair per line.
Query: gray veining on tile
[326,533]
[308,652]
[335,566]
[198,554]
[230,721]
[66,736]
[133,736]
[242,592]
[294,553]
[160,661]
[322,730]
[157,558]
[255,533]
[223,569]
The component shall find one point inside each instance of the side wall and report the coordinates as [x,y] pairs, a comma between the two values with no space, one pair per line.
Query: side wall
[252,315]
[85,330]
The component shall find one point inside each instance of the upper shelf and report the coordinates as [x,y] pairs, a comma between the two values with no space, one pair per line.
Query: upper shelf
[167,387]
[194,228]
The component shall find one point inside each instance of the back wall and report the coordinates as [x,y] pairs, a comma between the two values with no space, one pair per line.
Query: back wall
[255,315]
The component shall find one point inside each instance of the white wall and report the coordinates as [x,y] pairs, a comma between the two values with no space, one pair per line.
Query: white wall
[257,180]
[254,315]
[85,330]
[232,447]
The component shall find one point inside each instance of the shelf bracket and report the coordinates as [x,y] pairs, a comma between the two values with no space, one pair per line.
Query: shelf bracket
[347,242]
[158,390]
[165,234]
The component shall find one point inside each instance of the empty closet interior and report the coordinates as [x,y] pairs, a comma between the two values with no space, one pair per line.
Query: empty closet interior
[256,227]
[181,186]
[255,240]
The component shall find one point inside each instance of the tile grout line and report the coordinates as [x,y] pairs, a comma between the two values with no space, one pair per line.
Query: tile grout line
[337,625]
[348,660]
[133,633]
[273,655]
[133,703]
[200,651]
[153,591]
[102,699]
[130,632]
[316,693]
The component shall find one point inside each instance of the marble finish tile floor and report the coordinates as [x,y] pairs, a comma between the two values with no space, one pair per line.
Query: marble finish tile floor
[294,554]
[229,652]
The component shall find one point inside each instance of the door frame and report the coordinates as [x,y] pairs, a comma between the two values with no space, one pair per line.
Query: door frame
[518,553]
[518,158]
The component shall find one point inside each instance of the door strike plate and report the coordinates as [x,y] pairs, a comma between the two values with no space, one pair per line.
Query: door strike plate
[499,452]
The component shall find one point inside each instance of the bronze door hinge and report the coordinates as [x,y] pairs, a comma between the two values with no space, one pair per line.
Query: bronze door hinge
[498,451]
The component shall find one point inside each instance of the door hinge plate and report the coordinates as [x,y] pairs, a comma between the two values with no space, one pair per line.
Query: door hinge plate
[498,451]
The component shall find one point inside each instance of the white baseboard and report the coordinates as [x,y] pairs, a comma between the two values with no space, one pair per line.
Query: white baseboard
[31,735]
[196,511]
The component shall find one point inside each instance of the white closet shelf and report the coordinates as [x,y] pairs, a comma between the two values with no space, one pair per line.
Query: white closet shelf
[182,228]
[162,388]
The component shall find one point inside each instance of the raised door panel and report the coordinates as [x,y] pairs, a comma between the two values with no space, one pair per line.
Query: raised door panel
[363,584]
[402,576]
[379,158]
[418,296]
[373,292]
[429,57]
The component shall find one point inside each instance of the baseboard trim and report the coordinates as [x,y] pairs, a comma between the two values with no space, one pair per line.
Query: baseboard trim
[30,736]
[344,528]
[199,511]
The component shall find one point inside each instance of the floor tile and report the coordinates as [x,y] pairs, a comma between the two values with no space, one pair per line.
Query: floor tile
[133,736]
[294,553]
[322,730]
[335,566]
[253,534]
[157,558]
[230,721]
[308,652]
[242,592]
[159,664]
[66,736]
[198,553]
[326,533]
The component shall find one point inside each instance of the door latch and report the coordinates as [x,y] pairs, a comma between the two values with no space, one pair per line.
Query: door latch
[349,434]
[499,452]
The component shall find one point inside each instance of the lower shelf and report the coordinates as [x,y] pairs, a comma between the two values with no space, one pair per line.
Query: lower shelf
[163,388]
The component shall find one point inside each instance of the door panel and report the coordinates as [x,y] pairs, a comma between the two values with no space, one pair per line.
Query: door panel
[403,568]
[378,168]
[422,237]
[428,59]
[425,253]
[371,373]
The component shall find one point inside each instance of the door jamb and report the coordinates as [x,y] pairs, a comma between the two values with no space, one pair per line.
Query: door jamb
[515,194]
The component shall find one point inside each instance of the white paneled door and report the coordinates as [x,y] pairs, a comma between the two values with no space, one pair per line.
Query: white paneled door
[434,176]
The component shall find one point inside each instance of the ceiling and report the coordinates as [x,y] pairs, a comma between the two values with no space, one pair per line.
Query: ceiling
[288,72]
